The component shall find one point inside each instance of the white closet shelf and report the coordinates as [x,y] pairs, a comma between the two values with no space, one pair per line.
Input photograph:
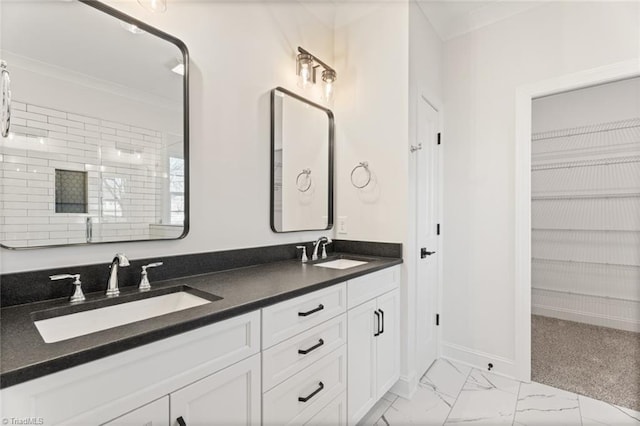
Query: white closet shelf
[587,130]
[587,163]
[584,230]
[585,196]
[581,293]
[565,261]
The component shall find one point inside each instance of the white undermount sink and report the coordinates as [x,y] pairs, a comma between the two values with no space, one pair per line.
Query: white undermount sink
[80,323]
[340,264]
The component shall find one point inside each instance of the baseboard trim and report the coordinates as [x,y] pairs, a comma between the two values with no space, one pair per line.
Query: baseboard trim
[586,317]
[478,359]
[405,387]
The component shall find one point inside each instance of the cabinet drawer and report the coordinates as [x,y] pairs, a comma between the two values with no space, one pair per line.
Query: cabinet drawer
[319,384]
[287,358]
[334,414]
[364,288]
[286,319]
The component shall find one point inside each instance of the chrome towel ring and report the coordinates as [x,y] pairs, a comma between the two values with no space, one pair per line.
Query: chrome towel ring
[5,113]
[304,185]
[365,166]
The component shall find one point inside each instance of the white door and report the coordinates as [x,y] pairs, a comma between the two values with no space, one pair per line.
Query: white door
[388,342]
[229,397]
[362,324]
[427,217]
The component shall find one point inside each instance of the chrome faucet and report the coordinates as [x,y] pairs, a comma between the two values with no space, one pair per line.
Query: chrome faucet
[316,245]
[112,287]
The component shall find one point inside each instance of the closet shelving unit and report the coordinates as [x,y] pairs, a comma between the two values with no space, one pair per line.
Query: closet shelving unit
[586,224]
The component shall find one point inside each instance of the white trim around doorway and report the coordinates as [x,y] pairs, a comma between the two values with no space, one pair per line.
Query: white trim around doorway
[524,96]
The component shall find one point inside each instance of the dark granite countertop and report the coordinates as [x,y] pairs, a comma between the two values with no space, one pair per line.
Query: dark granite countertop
[25,355]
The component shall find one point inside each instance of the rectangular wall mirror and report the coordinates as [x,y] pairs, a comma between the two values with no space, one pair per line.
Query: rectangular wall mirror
[97,149]
[302,136]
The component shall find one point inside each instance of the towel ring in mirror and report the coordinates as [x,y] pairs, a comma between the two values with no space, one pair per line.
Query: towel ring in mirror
[364,165]
[304,185]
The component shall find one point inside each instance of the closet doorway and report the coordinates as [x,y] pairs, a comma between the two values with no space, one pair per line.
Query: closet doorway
[585,241]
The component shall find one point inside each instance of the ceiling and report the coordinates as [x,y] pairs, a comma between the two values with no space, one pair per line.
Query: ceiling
[452,18]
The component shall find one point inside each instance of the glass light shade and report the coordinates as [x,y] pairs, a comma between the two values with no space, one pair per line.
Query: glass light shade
[154,5]
[329,78]
[305,70]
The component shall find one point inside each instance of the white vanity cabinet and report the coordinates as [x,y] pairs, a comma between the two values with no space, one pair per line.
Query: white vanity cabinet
[155,413]
[374,339]
[304,371]
[229,397]
[221,360]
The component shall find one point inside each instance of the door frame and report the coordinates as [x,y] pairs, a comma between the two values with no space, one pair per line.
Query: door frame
[524,96]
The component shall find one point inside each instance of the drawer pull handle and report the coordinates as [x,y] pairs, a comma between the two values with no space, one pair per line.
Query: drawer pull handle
[312,394]
[377,314]
[381,321]
[181,421]
[312,348]
[313,311]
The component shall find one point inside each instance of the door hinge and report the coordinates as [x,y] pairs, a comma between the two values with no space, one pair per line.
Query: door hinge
[437,319]
[438,229]
[438,138]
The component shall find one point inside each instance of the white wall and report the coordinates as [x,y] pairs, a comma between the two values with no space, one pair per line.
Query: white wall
[371,104]
[372,110]
[239,52]
[586,251]
[481,73]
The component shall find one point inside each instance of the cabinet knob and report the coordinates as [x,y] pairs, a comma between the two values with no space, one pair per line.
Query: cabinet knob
[181,421]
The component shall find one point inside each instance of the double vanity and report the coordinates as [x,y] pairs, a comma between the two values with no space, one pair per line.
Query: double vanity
[277,343]
[249,336]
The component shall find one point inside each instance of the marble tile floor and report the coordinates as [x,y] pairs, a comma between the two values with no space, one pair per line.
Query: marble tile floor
[453,394]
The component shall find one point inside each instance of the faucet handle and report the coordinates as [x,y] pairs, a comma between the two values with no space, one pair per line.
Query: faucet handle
[144,279]
[122,259]
[304,259]
[77,296]
[324,250]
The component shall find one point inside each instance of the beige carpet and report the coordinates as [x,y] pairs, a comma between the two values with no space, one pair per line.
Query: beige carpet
[599,362]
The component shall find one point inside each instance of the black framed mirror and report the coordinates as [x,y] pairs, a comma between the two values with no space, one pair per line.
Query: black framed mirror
[97,149]
[302,138]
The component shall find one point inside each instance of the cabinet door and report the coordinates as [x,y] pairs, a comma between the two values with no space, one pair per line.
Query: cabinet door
[229,397]
[361,360]
[388,342]
[155,413]
[334,414]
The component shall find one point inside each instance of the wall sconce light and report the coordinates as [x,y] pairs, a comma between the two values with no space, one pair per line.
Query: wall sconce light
[154,5]
[306,66]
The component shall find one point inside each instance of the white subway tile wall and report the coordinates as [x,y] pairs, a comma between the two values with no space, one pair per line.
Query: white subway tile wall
[127,172]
